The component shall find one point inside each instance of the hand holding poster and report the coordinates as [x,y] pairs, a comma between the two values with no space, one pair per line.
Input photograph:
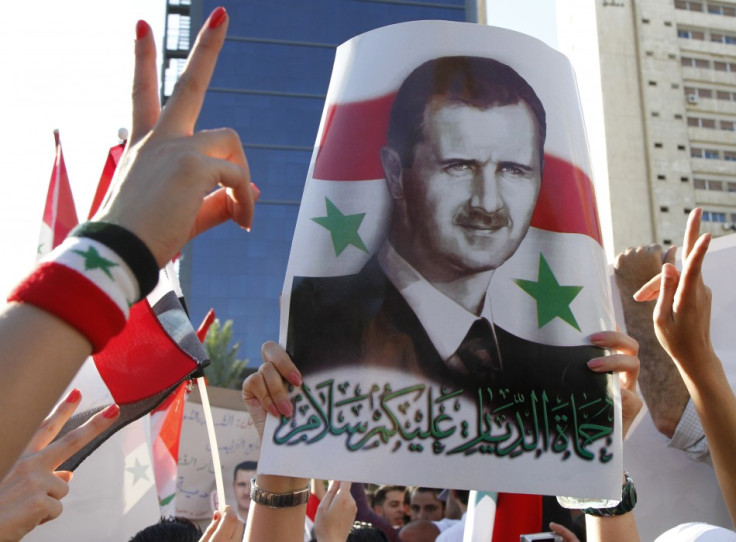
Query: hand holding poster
[446,274]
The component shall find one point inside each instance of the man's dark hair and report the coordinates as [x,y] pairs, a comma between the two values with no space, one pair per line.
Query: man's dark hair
[435,491]
[244,465]
[379,496]
[366,532]
[169,530]
[463,495]
[469,80]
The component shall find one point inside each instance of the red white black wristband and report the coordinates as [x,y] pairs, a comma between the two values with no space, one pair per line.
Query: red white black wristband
[86,284]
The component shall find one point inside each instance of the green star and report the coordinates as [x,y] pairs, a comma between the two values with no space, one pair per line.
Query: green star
[342,228]
[93,260]
[138,471]
[553,300]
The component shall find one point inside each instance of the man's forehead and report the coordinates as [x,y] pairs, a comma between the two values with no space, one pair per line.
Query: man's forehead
[460,129]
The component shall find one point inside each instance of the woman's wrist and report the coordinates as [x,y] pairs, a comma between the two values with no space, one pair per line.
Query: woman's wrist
[275,483]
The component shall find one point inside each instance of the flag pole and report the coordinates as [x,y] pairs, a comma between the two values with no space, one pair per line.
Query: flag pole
[213,441]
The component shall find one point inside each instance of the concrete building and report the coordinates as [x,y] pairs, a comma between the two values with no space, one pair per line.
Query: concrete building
[270,85]
[668,70]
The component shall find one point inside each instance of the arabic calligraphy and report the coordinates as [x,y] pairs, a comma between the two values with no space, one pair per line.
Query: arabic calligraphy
[430,419]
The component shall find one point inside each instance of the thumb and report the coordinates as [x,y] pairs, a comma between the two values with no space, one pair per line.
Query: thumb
[667,289]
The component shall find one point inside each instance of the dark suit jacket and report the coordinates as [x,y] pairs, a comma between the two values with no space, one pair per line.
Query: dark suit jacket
[362,320]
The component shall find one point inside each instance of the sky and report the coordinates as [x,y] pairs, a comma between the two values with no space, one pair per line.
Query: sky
[68,65]
[65,65]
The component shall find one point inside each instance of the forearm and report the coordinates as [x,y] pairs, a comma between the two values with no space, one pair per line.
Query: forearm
[40,356]
[659,380]
[613,529]
[715,404]
[283,524]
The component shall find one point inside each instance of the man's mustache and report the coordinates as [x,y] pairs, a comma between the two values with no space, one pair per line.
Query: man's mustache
[480,219]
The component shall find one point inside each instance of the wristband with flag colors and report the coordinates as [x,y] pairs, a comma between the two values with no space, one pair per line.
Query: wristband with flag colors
[87,285]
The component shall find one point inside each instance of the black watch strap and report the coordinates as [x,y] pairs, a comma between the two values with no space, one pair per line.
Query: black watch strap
[627,504]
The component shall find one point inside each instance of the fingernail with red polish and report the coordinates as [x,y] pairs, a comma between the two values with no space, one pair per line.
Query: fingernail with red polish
[275,411]
[217,17]
[596,363]
[111,412]
[285,407]
[256,191]
[73,396]
[141,29]
[295,378]
[216,515]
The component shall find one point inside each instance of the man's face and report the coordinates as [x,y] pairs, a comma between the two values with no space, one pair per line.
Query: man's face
[425,505]
[241,488]
[393,508]
[472,187]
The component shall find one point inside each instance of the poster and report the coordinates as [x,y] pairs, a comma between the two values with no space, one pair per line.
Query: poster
[446,272]
[237,441]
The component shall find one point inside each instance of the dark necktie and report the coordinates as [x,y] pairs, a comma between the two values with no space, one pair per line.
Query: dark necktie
[478,355]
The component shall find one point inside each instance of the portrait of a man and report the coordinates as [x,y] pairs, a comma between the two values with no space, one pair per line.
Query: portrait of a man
[463,163]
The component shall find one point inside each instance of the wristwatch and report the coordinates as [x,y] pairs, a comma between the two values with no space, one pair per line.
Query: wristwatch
[277,500]
[627,504]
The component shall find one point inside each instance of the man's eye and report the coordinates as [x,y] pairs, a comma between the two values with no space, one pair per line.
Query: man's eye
[515,171]
[459,168]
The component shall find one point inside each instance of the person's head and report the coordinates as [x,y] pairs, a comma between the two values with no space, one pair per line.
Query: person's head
[421,530]
[366,532]
[456,502]
[463,162]
[424,503]
[388,502]
[169,530]
[242,475]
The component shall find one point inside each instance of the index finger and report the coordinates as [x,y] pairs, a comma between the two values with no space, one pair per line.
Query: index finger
[692,231]
[53,423]
[182,109]
[62,449]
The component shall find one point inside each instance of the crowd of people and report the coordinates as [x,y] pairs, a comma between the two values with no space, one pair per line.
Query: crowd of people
[172,184]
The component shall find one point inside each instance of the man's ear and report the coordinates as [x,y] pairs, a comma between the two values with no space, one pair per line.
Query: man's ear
[391,162]
[378,510]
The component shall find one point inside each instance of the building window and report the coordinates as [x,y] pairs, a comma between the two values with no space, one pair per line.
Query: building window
[727,125]
[691,6]
[661,177]
[664,209]
[694,62]
[684,179]
[652,83]
[690,34]
[729,155]
[710,154]
[681,147]
[714,216]
[686,210]
[678,116]
[721,66]
[655,113]
[725,95]
[657,145]
[716,9]
[731,187]
[722,38]
[713,186]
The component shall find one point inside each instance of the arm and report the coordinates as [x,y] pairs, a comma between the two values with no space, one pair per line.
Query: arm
[158,195]
[623,361]
[682,323]
[264,391]
[660,381]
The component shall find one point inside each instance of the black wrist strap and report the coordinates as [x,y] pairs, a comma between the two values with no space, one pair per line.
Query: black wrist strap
[128,246]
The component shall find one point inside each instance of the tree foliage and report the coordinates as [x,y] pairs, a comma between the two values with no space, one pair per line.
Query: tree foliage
[225,369]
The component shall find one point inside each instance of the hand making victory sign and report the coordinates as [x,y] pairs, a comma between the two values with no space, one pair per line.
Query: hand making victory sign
[199,161]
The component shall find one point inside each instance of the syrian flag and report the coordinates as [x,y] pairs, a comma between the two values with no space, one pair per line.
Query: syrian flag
[553,292]
[157,350]
[59,214]
[166,421]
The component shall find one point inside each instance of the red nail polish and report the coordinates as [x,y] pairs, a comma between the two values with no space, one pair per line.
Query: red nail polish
[111,411]
[216,516]
[217,17]
[141,29]
[256,191]
[73,396]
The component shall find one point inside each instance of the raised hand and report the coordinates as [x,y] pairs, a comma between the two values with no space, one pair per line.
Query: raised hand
[163,186]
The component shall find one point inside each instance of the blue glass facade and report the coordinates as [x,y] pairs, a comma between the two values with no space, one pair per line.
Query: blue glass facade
[269,85]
